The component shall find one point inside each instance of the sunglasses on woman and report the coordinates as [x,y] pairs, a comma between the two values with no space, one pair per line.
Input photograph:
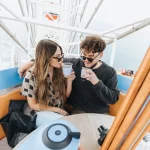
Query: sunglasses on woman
[59,58]
[89,59]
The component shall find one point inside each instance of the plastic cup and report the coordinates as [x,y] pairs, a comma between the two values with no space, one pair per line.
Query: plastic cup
[67,69]
[84,73]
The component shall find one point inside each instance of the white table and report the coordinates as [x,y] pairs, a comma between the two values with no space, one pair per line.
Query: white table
[87,124]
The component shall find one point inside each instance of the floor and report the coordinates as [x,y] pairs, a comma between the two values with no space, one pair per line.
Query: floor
[4,145]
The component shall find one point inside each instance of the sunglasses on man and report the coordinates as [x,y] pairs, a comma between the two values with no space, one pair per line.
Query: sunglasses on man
[59,58]
[89,59]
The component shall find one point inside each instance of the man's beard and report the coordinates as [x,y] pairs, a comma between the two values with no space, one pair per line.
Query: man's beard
[91,66]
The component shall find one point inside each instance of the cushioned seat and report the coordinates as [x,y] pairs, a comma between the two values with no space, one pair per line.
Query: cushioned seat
[4,103]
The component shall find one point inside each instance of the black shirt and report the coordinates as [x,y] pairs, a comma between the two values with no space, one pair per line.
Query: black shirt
[93,98]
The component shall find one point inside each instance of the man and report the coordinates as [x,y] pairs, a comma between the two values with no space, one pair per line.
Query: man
[100,86]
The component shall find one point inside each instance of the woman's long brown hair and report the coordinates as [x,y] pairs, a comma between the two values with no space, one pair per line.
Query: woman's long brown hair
[44,52]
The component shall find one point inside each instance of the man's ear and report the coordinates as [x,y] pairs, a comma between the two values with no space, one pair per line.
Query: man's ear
[101,54]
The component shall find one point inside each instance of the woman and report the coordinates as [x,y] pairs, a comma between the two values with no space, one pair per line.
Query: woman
[44,84]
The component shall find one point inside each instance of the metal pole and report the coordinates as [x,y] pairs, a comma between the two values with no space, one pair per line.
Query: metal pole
[113,53]
[55,25]
[13,57]
[39,29]
[63,44]
[124,26]
[93,14]
[12,36]
[52,5]
[78,25]
[10,11]
[90,19]
[13,14]
[26,1]
[76,55]
[27,26]
[138,27]
[33,35]
[73,20]
[22,11]
[74,34]
[67,18]
[69,44]
[29,31]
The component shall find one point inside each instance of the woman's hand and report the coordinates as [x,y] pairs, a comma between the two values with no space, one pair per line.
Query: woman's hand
[71,77]
[62,112]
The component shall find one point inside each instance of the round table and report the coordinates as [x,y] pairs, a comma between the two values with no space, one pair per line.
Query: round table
[87,125]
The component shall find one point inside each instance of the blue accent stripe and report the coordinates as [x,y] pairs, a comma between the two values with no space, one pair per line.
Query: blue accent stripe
[9,78]
[124,82]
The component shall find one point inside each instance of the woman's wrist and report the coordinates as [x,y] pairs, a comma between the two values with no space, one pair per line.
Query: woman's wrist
[69,81]
[57,110]
[53,109]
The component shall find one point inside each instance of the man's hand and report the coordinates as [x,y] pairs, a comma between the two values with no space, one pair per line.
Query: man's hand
[22,69]
[91,76]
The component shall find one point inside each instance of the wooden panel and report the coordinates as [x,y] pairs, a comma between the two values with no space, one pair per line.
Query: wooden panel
[2,134]
[132,113]
[147,129]
[4,103]
[113,109]
[131,94]
[143,119]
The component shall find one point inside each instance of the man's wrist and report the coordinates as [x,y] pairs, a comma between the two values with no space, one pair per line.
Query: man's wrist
[95,81]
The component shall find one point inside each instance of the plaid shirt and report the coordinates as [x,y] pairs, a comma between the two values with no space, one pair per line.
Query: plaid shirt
[29,86]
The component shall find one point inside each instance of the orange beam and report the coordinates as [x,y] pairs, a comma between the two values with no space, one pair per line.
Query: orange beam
[132,113]
[147,129]
[143,119]
[131,94]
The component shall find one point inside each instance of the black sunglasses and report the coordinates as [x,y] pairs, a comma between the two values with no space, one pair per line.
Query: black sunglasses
[89,59]
[59,58]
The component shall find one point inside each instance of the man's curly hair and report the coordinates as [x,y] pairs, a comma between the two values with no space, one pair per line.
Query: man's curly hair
[93,43]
